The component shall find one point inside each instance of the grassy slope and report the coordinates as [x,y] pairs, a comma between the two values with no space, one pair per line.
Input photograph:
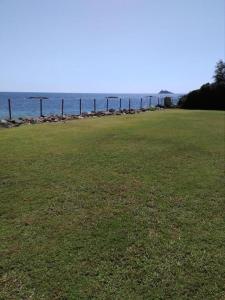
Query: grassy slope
[124,207]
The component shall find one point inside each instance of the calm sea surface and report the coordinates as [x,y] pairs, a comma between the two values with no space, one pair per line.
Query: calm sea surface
[22,106]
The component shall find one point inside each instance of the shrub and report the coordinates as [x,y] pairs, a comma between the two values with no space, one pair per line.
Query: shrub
[168,102]
[209,96]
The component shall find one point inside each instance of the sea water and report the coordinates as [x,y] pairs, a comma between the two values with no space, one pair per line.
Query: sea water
[23,106]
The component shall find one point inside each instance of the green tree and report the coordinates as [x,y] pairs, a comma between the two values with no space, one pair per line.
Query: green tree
[168,102]
[219,75]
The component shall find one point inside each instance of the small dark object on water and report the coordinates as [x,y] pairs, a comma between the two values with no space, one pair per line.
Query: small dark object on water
[112,97]
[32,97]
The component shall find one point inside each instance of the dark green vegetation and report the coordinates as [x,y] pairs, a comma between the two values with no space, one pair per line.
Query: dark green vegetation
[127,207]
[209,96]
[168,102]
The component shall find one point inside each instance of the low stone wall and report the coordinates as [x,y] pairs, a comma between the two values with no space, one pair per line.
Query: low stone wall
[63,118]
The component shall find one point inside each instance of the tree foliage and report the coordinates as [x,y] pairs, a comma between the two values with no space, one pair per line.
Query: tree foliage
[209,96]
[219,75]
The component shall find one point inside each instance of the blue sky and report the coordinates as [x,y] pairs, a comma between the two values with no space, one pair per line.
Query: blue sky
[109,45]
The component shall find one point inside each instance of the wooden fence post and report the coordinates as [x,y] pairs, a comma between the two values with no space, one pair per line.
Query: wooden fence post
[95,105]
[62,107]
[80,106]
[107,104]
[41,111]
[141,104]
[120,104]
[129,104]
[10,111]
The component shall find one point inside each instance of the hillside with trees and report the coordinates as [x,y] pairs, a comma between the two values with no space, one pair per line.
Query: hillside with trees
[210,95]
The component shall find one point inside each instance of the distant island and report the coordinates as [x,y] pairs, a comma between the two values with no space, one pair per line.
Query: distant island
[165,92]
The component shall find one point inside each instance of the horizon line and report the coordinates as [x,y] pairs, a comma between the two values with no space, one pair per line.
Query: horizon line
[90,92]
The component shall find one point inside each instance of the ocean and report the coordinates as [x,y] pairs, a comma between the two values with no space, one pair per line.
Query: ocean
[22,106]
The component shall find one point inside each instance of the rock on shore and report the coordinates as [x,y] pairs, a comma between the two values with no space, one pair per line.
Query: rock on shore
[7,123]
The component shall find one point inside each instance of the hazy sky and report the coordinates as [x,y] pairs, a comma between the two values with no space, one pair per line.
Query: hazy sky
[109,45]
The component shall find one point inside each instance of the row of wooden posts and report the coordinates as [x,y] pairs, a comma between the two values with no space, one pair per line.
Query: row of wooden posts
[80,105]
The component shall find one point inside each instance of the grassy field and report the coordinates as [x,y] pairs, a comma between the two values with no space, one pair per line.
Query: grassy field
[126,207]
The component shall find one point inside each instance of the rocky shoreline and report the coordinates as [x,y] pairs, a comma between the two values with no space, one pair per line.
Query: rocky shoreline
[7,123]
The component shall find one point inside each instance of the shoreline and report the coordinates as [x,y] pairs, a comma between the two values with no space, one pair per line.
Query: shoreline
[7,123]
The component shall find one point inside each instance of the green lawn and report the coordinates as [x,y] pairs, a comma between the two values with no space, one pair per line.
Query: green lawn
[126,207]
